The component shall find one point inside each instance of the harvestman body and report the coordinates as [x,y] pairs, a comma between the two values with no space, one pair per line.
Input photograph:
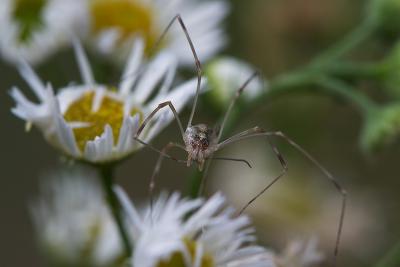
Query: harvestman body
[201,141]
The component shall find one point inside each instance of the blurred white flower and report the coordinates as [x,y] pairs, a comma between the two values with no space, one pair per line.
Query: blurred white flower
[182,232]
[115,23]
[301,203]
[35,29]
[73,222]
[225,76]
[300,253]
[96,123]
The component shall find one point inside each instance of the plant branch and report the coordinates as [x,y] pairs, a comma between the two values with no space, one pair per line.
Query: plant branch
[349,42]
[108,181]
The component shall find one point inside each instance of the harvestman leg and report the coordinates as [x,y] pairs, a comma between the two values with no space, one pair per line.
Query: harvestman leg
[196,59]
[256,131]
[168,103]
[154,112]
[156,170]
[235,97]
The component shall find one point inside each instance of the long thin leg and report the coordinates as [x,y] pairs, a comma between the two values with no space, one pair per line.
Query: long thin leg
[233,159]
[256,131]
[203,183]
[233,101]
[284,166]
[196,59]
[159,151]
[157,169]
[154,112]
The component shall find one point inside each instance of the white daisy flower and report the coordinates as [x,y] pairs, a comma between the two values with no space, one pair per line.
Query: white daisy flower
[35,29]
[73,222]
[226,74]
[300,253]
[115,23]
[96,123]
[182,232]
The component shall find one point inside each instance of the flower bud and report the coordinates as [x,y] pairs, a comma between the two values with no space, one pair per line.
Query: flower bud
[391,72]
[386,14]
[226,75]
[381,127]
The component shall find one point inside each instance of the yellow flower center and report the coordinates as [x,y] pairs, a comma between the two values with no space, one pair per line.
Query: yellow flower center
[129,16]
[111,112]
[27,14]
[177,259]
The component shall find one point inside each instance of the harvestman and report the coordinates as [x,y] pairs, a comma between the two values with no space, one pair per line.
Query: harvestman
[201,141]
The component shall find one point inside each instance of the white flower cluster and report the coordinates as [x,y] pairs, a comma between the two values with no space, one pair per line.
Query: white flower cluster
[73,222]
[75,227]
[35,29]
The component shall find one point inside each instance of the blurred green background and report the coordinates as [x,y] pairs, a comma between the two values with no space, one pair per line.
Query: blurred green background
[275,36]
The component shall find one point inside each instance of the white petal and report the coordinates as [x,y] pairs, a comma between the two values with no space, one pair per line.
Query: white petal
[32,79]
[78,124]
[132,66]
[98,99]
[68,95]
[130,210]
[101,148]
[179,97]
[83,62]
[152,76]
[107,39]
[199,219]
[126,133]
[66,137]
[25,109]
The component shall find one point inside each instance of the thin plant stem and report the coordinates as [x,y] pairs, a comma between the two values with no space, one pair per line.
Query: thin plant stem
[361,33]
[345,91]
[352,70]
[107,177]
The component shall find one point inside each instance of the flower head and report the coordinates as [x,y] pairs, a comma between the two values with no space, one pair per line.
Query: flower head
[181,232]
[300,253]
[34,29]
[73,222]
[95,122]
[115,23]
[226,75]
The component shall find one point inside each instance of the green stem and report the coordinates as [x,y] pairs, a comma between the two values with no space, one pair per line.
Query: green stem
[344,90]
[356,70]
[349,42]
[392,258]
[194,185]
[108,182]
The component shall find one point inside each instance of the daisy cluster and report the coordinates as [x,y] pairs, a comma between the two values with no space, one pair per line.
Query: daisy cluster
[37,29]
[82,222]
[75,228]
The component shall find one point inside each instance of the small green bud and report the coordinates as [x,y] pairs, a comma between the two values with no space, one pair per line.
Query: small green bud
[391,72]
[382,126]
[226,75]
[386,14]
